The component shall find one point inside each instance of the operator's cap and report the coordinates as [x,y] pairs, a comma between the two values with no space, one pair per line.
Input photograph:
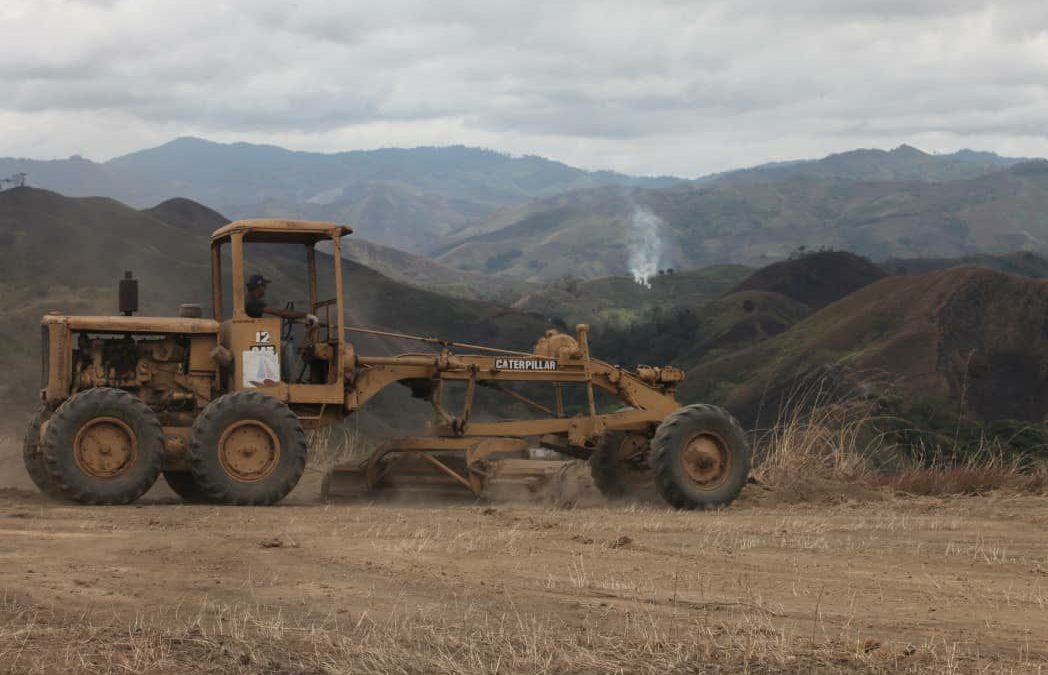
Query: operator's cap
[256,280]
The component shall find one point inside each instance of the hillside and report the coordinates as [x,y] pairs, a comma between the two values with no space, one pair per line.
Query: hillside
[904,163]
[685,317]
[408,198]
[968,335]
[586,233]
[618,301]
[814,279]
[188,215]
[66,254]
[945,361]
[729,308]
[685,335]
[426,200]
[422,272]
[590,233]
[1024,263]
[409,268]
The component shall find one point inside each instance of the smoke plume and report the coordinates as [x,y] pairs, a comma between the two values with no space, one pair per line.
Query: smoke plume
[645,245]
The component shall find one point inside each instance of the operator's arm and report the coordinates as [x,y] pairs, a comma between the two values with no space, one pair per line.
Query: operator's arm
[284,313]
[310,319]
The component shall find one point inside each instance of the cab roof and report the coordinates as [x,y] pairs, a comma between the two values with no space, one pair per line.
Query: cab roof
[281,230]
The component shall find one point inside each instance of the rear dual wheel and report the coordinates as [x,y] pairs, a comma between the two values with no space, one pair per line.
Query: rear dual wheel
[247,448]
[101,446]
[185,486]
[105,446]
[34,458]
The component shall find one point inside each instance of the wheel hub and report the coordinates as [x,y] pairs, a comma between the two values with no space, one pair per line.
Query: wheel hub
[105,447]
[249,451]
[705,460]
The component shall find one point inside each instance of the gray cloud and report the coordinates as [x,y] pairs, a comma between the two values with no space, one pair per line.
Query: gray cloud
[659,87]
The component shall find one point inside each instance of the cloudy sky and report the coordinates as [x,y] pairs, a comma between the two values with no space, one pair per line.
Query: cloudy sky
[679,87]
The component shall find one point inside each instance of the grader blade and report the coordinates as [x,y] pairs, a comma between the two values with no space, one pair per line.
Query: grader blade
[549,481]
[408,475]
[479,469]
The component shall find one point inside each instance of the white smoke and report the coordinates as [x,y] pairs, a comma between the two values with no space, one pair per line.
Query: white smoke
[645,245]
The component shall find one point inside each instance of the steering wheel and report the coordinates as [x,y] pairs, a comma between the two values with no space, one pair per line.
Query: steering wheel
[306,351]
[287,326]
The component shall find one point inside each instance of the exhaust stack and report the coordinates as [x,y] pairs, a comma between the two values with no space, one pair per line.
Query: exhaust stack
[128,295]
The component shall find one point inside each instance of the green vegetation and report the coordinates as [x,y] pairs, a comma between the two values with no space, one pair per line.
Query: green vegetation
[618,302]
[686,336]
[934,431]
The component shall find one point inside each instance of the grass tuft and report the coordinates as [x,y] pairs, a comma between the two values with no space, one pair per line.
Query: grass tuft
[826,431]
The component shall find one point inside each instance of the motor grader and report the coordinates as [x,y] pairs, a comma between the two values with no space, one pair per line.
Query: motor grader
[208,403]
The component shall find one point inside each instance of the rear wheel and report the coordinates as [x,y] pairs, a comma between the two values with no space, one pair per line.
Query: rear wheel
[185,486]
[620,467]
[33,458]
[700,457]
[102,446]
[247,448]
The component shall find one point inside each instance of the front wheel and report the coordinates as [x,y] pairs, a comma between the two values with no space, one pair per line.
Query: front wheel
[621,468]
[700,457]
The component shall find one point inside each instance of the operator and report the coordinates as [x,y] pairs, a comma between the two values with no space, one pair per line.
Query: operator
[255,303]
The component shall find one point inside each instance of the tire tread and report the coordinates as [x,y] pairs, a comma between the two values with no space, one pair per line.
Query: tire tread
[204,440]
[665,443]
[91,403]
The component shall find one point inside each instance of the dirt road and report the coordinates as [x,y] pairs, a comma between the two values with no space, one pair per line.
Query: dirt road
[898,585]
[849,579]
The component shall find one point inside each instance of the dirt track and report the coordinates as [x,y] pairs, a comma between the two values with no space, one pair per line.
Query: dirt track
[956,585]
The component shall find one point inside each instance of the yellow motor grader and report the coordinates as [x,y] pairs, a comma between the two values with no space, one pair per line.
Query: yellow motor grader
[208,402]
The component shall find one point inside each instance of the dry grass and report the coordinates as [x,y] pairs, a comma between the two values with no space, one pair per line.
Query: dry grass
[987,471]
[223,639]
[822,433]
[819,432]
[331,445]
[825,441]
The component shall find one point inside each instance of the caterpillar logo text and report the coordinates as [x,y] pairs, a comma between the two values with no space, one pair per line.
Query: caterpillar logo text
[526,364]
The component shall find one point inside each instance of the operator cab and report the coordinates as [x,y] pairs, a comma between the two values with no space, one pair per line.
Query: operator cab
[258,353]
